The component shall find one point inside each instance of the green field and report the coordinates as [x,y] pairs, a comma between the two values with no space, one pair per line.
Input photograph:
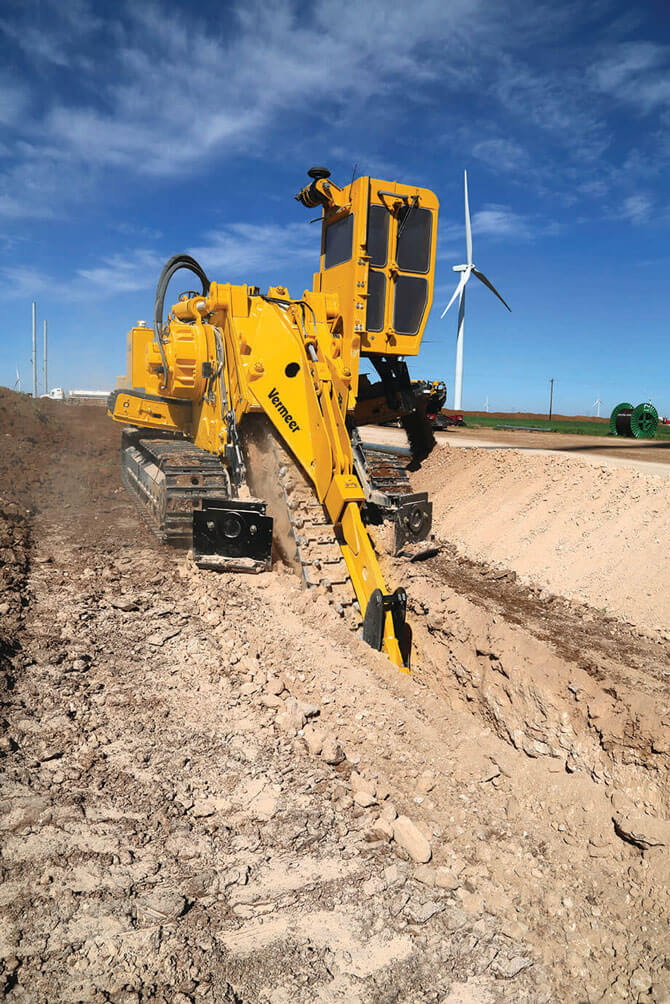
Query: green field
[576,426]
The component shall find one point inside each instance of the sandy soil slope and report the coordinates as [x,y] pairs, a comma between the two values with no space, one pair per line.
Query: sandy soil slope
[212,790]
[593,534]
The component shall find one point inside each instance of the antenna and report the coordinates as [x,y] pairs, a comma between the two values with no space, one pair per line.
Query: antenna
[466,271]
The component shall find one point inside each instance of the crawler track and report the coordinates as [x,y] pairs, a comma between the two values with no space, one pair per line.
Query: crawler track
[168,477]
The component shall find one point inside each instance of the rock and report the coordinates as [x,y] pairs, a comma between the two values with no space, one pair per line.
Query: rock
[360,783]
[507,969]
[410,838]
[309,710]
[275,686]
[285,724]
[123,603]
[381,829]
[332,752]
[425,875]
[392,874]
[421,912]
[389,812]
[313,739]
[445,878]
[364,798]
[643,831]
[271,701]
[294,713]
[425,783]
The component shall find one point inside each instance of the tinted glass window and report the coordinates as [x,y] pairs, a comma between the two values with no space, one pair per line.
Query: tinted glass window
[339,241]
[376,301]
[378,235]
[411,294]
[414,232]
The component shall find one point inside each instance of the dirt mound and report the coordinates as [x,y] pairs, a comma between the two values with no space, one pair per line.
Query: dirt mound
[63,463]
[594,534]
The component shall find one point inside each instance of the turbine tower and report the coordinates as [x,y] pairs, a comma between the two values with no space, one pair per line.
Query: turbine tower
[596,404]
[466,271]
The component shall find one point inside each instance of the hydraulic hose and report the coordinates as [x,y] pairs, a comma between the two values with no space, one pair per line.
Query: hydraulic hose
[175,263]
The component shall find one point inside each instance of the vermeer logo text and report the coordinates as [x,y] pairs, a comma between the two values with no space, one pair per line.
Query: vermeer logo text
[283,410]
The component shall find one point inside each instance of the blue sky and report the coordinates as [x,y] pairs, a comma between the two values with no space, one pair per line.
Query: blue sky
[129,132]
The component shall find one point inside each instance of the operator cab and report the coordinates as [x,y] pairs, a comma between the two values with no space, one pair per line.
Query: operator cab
[378,255]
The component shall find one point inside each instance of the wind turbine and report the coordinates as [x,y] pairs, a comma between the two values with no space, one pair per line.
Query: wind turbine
[18,380]
[596,404]
[466,271]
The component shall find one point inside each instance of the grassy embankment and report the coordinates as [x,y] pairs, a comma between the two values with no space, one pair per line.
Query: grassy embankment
[575,426]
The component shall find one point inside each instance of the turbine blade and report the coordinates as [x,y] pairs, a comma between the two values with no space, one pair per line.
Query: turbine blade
[461,285]
[468,228]
[482,278]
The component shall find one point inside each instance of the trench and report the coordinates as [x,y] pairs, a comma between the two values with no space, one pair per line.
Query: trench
[552,679]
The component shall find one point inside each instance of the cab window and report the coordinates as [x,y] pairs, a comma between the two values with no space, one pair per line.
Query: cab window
[414,232]
[378,235]
[411,295]
[339,240]
[376,301]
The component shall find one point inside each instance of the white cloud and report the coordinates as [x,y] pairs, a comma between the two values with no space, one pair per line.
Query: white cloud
[160,91]
[240,251]
[636,73]
[179,89]
[121,273]
[637,208]
[501,154]
[14,101]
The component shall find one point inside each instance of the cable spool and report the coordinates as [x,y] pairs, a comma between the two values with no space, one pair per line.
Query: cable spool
[634,423]
[620,408]
[644,421]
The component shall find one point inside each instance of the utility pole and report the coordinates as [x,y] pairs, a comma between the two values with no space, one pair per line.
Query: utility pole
[34,349]
[551,398]
[46,383]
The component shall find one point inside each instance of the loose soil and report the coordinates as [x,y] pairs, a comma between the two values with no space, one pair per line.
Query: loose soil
[202,773]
